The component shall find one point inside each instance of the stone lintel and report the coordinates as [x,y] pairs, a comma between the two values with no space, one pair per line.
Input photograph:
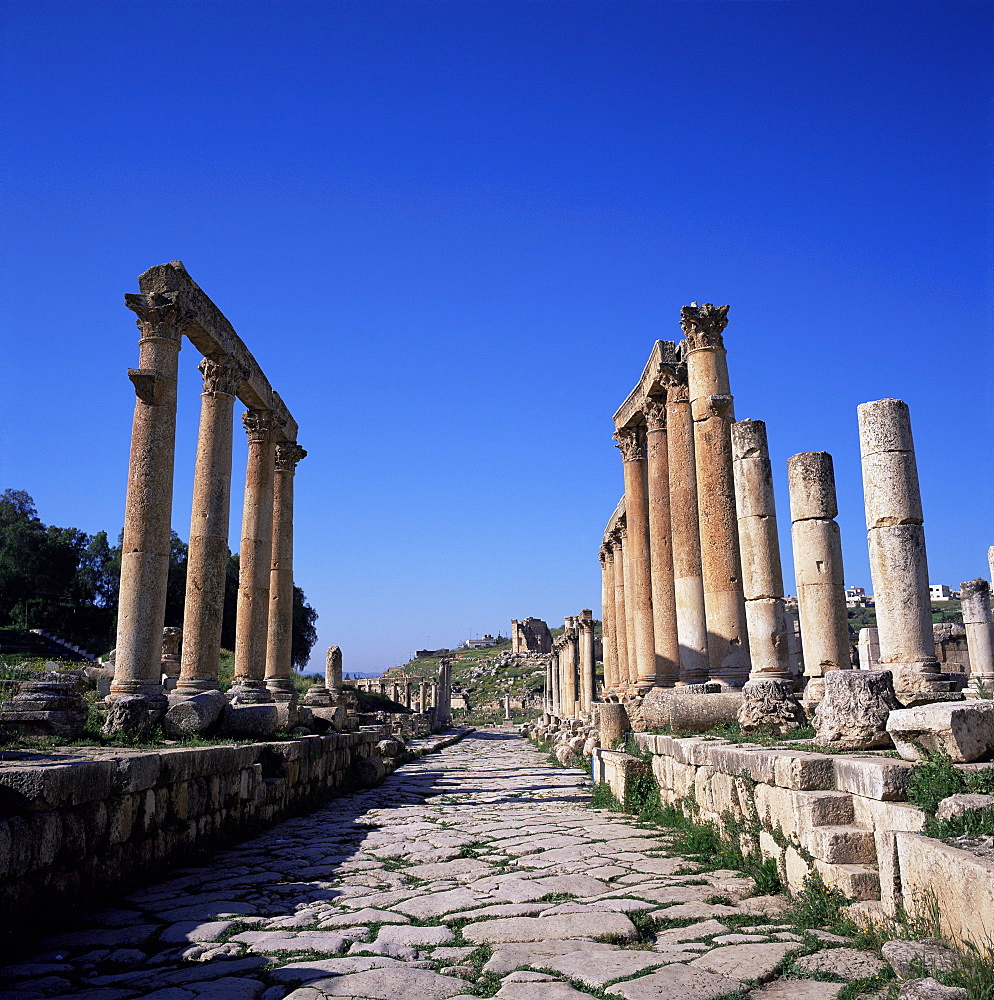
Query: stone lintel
[212,335]
[630,410]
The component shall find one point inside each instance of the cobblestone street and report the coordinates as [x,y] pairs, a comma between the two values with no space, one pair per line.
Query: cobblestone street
[475,871]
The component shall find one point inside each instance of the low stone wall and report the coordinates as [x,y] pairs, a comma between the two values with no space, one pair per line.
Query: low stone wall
[81,823]
[843,816]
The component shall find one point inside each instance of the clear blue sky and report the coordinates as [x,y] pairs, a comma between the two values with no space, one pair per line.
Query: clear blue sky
[450,233]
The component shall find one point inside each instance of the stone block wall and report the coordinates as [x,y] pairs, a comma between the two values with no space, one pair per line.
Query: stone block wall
[81,824]
[843,816]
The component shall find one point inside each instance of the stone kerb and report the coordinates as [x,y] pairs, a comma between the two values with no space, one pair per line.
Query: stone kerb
[84,826]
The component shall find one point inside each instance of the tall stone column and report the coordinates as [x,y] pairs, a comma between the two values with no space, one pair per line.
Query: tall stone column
[609,655]
[638,581]
[587,661]
[713,414]
[762,575]
[279,643]
[896,539]
[664,628]
[821,591]
[255,562]
[620,613]
[445,690]
[333,670]
[407,693]
[975,597]
[569,662]
[688,580]
[145,550]
[207,557]
[768,695]
[423,697]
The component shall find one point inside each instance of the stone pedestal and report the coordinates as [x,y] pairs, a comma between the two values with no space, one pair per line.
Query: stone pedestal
[975,597]
[896,539]
[853,713]
[207,557]
[613,724]
[713,414]
[821,597]
[52,706]
[145,558]
[255,563]
[688,581]
[664,627]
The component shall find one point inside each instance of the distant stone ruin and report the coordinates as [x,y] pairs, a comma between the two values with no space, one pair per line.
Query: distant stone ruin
[530,635]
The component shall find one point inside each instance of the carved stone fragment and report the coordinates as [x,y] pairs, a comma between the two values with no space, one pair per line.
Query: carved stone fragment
[770,703]
[853,713]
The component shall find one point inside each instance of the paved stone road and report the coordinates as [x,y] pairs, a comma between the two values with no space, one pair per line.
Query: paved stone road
[389,892]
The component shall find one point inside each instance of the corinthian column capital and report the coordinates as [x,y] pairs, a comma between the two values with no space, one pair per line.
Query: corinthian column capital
[703,325]
[631,441]
[221,376]
[288,454]
[258,425]
[161,315]
[673,377]
[654,409]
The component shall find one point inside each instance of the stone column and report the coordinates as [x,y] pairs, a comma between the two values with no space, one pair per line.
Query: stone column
[688,582]
[821,592]
[712,411]
[207,557]
[172,637]
[664,628]
[571,664]
[975,597]
[587,661]
[769,699]
[638,581]
[423,689]
[255,562]
[145,551]
[608,656]
[279,644]
[620,614]
[896,539]
[445,690]
[762,575]
[333,670]
[408,685]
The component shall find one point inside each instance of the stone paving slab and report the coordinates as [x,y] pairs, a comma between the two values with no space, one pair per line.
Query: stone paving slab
[385,894]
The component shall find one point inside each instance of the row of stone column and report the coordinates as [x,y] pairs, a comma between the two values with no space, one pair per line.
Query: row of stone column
[413,693]
[571,672]
[692,585]
[265,590]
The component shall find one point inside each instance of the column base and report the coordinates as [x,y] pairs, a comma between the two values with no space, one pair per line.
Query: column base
[282,689]
[150,691]
[249,691]
[921,683]
[190,688]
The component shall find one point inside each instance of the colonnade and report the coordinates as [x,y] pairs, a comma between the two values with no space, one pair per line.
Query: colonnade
[414,693]
[571,672]
[170,306]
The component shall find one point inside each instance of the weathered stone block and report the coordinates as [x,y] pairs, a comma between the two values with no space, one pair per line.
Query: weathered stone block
[853,713]
[804,771]
[872,777]
[964,730]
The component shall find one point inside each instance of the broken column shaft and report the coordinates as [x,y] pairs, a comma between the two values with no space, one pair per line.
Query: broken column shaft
[975,598]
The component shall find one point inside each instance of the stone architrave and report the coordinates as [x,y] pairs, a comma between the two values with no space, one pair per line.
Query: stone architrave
[255,563]
[975,598]
[853,713]
[162,320]
[609,655]
[207,557]
[768,695]
[279,638]
[713,414]
[620,613]
[638,583]
[688,581]
[664,627]
[817,544]
[896,539]
[587,662]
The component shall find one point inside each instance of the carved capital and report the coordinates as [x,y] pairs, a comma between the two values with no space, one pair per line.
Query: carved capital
[606,554]
[150,387]
[654,409]
[221,376]
[258,425]
[631,441]
[703,324]
[673,377]
[720,406]
[288,454]
[160,315]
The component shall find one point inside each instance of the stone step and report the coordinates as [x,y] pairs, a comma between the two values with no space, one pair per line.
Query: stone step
[825,808]
[843,845]
[856,882]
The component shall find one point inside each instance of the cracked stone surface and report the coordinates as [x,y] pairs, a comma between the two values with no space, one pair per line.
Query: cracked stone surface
[389,892]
